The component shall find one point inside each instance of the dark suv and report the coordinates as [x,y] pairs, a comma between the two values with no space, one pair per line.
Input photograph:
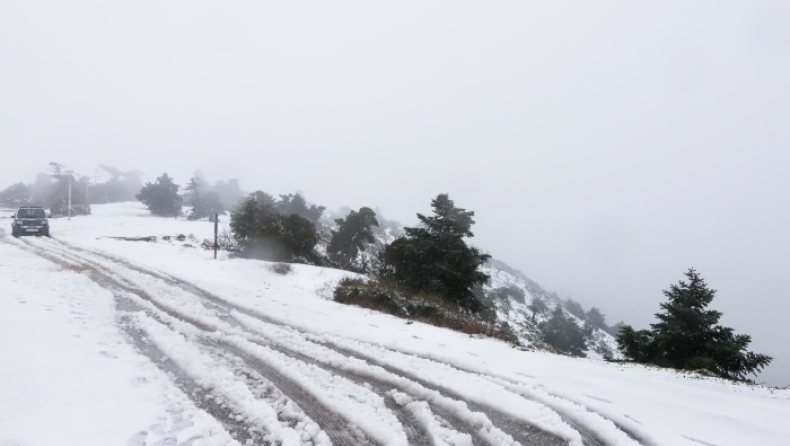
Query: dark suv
[30,220]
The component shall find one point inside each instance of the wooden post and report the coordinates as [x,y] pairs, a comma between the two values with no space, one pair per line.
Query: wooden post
[69,197]
[216,225]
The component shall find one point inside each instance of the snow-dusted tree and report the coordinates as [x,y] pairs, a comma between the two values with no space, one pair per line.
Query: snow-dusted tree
[161,197]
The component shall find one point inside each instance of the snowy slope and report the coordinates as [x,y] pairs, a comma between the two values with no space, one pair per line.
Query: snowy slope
[386,378]
[516,312]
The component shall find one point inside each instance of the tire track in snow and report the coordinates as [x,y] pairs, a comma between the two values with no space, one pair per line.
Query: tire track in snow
[589,438]
[489,435]
[336,428]
[483,438]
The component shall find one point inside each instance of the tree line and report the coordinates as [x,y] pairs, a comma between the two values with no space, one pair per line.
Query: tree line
[432,258]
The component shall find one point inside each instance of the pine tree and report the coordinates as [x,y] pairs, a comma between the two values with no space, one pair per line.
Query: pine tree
[435,258]
[162,197]
[687,335]
[354,234]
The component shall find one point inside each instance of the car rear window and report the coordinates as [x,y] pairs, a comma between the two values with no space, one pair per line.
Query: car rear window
[31,213]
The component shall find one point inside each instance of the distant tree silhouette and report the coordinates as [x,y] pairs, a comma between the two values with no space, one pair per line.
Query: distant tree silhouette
[563,333]
[15,195]
[161,197]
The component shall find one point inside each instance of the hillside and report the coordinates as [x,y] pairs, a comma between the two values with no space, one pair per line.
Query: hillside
[145,343]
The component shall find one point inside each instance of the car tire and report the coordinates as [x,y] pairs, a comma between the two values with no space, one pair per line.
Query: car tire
[45,232]
[14,232]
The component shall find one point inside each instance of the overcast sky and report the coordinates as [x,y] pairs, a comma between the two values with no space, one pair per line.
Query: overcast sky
[605,148]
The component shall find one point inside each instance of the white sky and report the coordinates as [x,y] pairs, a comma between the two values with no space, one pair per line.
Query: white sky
[605,147]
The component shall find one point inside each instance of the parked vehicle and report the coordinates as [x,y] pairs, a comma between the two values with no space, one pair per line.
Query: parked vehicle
[30,220]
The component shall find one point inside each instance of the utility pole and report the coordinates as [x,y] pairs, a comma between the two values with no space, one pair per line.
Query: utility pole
[70,177]
[216,225]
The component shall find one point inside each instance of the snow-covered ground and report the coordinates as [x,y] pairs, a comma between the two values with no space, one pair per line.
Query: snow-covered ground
[278,355]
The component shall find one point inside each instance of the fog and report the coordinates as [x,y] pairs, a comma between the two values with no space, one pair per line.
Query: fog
[605,148]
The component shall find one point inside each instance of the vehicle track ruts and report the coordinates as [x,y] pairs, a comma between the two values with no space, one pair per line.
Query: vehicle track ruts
[337,429]
[526,434]
[418,437]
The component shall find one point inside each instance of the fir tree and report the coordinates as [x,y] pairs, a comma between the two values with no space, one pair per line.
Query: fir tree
[435,258]
[354,234]
[687,335]
[162,197]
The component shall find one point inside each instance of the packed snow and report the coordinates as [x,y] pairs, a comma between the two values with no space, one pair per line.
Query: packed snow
[69,373]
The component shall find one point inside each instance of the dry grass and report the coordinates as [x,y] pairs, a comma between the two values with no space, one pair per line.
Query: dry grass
[395,300]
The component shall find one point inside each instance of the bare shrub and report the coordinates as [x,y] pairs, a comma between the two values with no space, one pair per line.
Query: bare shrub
[281,268]
[227,240]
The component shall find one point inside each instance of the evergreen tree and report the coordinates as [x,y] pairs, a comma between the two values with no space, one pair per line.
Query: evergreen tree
[212,204]
[162,197]
[262,232]
[596,319]
[506,292]
[563,333]
[687,335]
[574,308]
[435,258]
[354,234]
[204,201]
[15,195]
[122,186]
[296,204]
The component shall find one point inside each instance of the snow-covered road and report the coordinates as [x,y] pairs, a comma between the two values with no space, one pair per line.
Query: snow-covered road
[188,361]
[231,352]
